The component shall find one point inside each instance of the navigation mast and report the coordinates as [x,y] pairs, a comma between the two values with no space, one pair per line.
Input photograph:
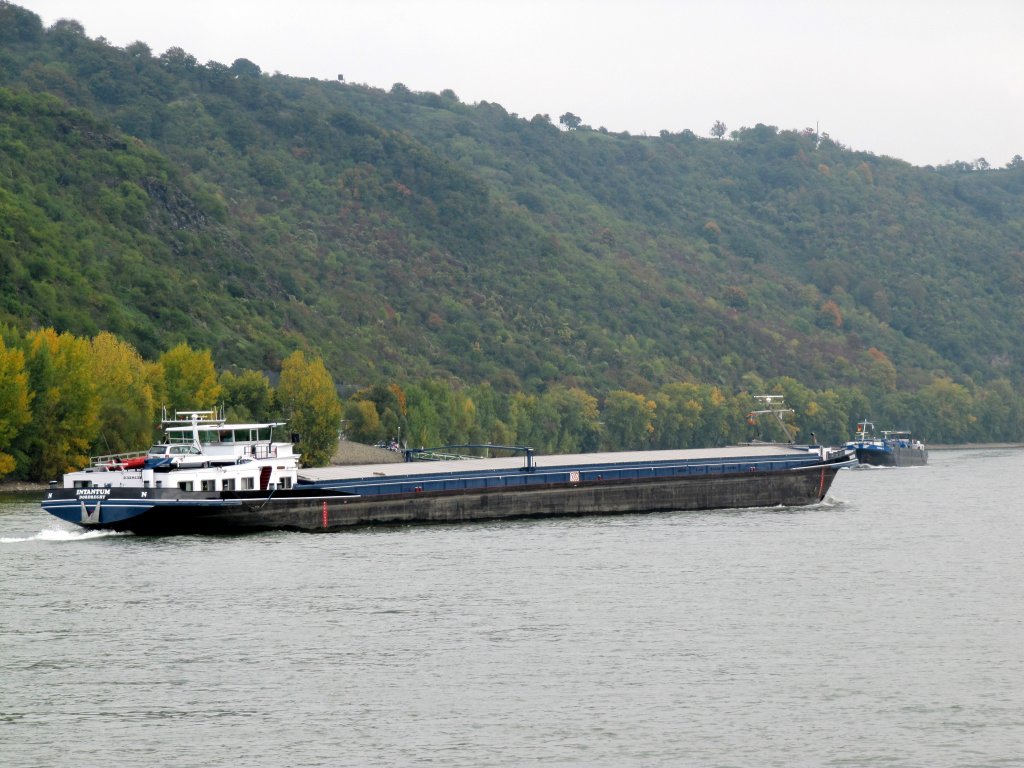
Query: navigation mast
[773,407]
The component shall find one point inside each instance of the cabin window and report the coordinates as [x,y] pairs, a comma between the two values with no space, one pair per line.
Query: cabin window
[229,485]
[286,482]
[209,485]
[248,483]
[83,484]
[185,485]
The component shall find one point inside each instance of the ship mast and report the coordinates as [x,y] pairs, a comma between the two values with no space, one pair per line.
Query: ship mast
[773,407]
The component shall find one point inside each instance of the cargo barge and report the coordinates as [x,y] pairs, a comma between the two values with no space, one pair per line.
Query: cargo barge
[895,448]
[208,476]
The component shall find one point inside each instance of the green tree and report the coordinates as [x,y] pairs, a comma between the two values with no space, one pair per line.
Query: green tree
[309,401]
[628,420]
[178,60]
[572,420]
[18,24]
[247,396]
[680,415]
[439,414]
[881,373]
[424,430]
[245,68]
[801,400]
[461,417]
[15,400]
[949,407]
[190,379]
[525,418]
[491,425]
[570,121]
[1000,411]
[827,417]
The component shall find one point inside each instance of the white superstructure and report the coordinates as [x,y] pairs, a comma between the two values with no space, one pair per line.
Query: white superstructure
[199,452]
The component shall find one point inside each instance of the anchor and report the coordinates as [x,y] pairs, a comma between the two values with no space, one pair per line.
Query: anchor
[91,518]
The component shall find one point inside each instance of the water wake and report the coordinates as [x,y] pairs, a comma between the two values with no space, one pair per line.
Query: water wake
[62,535]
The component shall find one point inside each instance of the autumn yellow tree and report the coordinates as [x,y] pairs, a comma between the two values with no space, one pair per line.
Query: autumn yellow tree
[309,401]
[14,402]
[384,419]
[190,379]
[127,402]
[362,422]
[65,412]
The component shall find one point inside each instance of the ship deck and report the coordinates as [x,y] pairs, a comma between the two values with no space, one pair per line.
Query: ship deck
[560,461]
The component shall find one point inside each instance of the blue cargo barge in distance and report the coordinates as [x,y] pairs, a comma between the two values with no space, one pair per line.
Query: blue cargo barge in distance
[895,448]
[212,477]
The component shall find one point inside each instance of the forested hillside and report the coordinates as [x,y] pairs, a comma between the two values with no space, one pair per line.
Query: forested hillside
[408,236]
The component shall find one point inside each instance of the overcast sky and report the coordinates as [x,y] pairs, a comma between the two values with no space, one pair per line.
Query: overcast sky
[927,81]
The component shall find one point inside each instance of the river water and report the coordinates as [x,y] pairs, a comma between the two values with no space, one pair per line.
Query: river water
[882,627]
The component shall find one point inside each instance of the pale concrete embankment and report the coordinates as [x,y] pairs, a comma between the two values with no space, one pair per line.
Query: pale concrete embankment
[359,453]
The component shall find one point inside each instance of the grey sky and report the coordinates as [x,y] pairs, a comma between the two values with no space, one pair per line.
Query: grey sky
[927,81]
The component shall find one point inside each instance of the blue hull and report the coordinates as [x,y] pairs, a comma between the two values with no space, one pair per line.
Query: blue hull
[174,511]
[892,456]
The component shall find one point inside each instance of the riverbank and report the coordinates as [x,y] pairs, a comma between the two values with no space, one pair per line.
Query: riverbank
[972,446]
[15,487]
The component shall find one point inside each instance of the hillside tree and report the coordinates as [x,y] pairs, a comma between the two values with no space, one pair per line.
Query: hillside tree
[14,402]
[247,396]
[125,389]
[190,379]
[309,401]
[628,420]
[65,409]
[570,121]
